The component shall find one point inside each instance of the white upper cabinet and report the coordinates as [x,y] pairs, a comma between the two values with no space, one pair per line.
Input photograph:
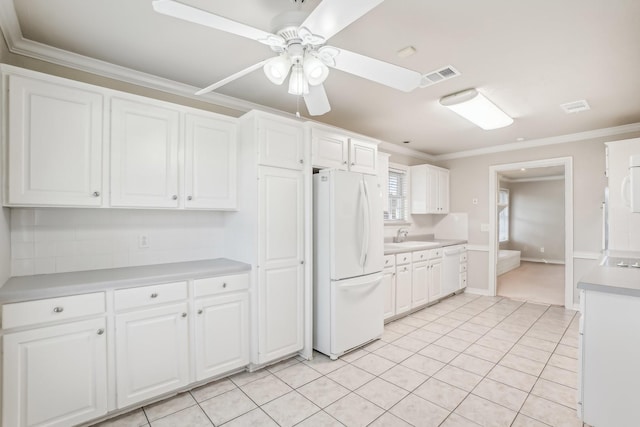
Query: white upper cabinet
[144,154]
[54,143]
[329,149]
[429,190]
[210,163]
[337,150]
[383,178]
[280,143]
[363,157]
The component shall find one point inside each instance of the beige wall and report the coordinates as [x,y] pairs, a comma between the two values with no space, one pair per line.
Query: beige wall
[536,213]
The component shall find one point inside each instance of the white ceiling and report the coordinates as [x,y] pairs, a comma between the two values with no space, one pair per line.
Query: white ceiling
[527,56]
[547,172]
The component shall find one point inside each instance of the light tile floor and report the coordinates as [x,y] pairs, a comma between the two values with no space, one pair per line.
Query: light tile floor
[467,361]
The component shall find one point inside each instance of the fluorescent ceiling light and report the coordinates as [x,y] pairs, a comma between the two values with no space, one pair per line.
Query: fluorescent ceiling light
[476,108]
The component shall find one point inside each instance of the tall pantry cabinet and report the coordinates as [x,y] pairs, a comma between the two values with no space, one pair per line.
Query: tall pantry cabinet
[270,231]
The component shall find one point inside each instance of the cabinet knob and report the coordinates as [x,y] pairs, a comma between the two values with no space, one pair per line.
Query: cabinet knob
[58,309]
[189,197]
[200,311]
[100,331]
[154,295]
[344,163]
[301,161]
[302,262]
[174,197]
[96,194]
[184,314]
[353,163]
[224,284]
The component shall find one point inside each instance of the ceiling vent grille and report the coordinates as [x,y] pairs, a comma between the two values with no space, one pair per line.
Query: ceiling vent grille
[438,76]
[575,106]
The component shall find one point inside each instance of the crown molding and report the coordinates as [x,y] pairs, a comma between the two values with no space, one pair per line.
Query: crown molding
[390,148]
[560,139]
[534,179]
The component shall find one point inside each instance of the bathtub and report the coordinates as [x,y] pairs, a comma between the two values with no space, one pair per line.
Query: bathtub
[507,261]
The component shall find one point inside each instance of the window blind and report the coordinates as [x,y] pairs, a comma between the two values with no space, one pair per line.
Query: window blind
[397,196]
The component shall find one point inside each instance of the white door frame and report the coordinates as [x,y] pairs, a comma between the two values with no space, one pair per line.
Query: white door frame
[567,162]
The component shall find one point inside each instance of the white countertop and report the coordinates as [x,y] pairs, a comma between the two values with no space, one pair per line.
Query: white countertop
[391,248]
[24,288]
[614,280]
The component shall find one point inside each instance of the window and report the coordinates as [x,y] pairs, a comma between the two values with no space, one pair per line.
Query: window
[503,215]
[397,196]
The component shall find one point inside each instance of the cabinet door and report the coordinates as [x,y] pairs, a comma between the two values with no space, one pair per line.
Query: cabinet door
[329,150]
[152,348]
[389,290]
[435,279]
[363,157]
[419,284]
[433,191]
[280,144]
[54,144]
[281,258]
[443,191]
[403,289]
[144,154]
[222,334]
[210,163]
[55,376]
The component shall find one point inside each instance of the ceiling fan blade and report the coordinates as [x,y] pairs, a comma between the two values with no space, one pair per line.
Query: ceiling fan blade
[331,16]
[231,78]
[188,13]
[317,101]
[378,71]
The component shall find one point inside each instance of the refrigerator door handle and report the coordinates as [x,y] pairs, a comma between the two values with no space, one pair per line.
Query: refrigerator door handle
[360,285]
[367,226]
[363,201]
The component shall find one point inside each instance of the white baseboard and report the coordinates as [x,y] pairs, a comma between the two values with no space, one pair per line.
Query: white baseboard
[546,261]
[476,291]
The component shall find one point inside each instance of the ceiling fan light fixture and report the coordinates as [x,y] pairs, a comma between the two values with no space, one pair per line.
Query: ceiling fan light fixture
[298,84]
[476,108]
[276,69]
[315,70]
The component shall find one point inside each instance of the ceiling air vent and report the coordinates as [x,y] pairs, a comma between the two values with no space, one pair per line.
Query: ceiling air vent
[575,106]
[438,76]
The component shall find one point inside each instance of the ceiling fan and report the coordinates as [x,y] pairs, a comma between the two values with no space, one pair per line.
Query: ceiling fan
[302,52]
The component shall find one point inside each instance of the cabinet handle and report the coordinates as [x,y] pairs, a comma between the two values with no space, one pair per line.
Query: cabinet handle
[200,311]
[100,331]
[174,197]
[184,314]
[154,295]
[96,194]
[189,198]
[58,309]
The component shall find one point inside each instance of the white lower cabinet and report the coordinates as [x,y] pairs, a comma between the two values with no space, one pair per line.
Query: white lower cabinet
[434,280]
[222,334]
[403,288]
[389,290]
[152,352]
[56,375]
[419,284]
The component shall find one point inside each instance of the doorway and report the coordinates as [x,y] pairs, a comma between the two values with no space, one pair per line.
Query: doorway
[531,231]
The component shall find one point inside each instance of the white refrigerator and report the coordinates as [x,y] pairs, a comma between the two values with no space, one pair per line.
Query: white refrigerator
[348,261]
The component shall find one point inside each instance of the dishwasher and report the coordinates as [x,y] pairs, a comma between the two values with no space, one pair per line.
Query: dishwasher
[451,260]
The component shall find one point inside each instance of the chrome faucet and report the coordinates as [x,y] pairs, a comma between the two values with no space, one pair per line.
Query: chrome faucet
[402,235]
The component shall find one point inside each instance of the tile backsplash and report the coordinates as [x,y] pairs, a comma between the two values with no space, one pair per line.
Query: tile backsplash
[55,240]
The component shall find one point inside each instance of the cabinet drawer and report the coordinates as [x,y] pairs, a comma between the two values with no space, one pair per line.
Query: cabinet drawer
[463,257]
[463,267]
[216,285]
[404,258]
[419,256]
[389,261]
[463,280]
[150,295]
[52,309]
[435,253]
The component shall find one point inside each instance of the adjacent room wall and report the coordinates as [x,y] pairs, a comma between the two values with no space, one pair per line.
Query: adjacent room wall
[537,220]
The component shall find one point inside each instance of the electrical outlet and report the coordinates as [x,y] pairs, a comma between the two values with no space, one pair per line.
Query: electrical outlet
[542,249]
[143,241]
